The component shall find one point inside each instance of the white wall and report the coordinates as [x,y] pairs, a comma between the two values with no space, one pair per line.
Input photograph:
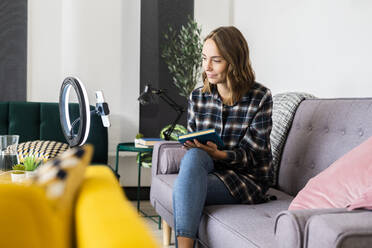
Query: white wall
[211,14]
[99,43]
[43,50]
[321,47]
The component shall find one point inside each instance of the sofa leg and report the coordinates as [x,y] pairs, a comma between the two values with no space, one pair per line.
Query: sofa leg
[167,231]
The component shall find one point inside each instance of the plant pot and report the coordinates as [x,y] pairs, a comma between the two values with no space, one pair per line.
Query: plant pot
[30,174]
[18,176]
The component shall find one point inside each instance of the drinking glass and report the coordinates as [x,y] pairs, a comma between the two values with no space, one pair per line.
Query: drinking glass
[8,151]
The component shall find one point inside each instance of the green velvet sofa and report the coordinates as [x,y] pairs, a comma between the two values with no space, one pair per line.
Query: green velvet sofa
[40,121]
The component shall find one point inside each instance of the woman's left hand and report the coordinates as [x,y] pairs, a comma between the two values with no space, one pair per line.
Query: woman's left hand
[209,147]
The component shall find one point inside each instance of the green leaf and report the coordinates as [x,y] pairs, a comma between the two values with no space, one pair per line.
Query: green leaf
[182,55]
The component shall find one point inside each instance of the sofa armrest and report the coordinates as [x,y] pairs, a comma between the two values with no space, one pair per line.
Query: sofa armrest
[290,225]
[27,219]
[342,230]
[166,157]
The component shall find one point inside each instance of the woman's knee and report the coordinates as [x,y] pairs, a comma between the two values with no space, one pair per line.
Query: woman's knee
[198,158]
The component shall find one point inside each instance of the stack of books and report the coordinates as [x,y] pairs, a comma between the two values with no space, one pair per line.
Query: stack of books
[146,142]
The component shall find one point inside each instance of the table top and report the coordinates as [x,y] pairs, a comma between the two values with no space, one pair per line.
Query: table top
[129,147]
[7,177]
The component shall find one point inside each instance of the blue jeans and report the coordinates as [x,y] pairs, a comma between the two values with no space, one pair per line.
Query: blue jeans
[194,188]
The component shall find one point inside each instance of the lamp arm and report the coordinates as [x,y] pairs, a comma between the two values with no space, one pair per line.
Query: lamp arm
[169,131]
[170,102]
[179,109]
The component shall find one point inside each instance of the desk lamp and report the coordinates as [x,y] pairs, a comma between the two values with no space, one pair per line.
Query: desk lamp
[147,97]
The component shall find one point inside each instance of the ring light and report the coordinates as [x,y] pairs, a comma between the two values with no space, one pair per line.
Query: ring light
[67,128]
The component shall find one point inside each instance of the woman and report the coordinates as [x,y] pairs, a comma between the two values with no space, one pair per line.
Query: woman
[239,109]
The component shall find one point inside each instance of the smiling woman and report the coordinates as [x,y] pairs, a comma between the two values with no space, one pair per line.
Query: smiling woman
[239,109]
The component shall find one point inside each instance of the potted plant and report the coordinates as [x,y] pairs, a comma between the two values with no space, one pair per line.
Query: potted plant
[31,163]
[182,54]
[18,173]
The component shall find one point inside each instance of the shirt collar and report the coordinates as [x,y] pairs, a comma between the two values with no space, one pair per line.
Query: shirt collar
[216,96]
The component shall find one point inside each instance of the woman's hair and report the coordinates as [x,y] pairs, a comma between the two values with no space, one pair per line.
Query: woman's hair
[234,49]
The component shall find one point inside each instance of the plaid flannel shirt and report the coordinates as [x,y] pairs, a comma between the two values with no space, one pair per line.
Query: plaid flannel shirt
[246,134]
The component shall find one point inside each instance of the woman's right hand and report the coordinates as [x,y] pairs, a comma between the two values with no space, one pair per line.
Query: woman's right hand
[210,148]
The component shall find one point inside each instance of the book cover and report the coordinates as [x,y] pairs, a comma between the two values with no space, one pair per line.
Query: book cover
[147,141]
[203,137]
[137,145]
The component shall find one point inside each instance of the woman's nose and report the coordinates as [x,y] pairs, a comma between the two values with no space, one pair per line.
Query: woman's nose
[207,66]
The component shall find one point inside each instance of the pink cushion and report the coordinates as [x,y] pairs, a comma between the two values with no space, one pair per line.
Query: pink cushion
[341,183]
[365,201]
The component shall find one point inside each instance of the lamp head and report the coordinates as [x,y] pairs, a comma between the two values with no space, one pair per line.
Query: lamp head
[146,96]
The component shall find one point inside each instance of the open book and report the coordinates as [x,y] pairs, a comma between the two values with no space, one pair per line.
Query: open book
[203,137]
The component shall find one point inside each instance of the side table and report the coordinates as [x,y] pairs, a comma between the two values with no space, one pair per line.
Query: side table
[129,147]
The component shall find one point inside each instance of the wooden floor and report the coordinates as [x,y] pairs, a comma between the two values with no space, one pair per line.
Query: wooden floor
[158,234]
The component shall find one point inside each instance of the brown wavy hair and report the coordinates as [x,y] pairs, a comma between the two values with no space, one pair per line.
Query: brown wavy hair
[234,49]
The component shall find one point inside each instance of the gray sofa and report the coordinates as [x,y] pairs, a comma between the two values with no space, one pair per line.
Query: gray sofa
[322,131]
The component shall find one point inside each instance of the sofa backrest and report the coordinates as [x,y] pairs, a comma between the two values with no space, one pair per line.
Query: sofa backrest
[40,121]
[322,131]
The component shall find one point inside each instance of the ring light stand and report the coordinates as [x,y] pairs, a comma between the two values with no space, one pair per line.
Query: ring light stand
[81,136]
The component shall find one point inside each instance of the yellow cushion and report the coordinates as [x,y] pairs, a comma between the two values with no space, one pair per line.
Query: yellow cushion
[26,218]
[104,217]
[61,179]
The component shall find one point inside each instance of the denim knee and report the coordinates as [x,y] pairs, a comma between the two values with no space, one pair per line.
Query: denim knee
[196,157]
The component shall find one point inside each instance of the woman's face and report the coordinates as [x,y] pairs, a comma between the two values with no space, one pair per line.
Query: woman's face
[214,65]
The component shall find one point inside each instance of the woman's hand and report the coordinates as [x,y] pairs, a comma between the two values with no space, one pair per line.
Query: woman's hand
[210,148]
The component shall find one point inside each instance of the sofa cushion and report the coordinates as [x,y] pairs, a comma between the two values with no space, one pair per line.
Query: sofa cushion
[61,179]
[103,215]
[322,131]
[233,229]
[24,120]
[341,183]
[45,149]
[284,109]
[50,125]
[240,224]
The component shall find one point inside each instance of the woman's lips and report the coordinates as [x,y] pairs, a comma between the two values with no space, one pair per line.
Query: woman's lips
[211,75]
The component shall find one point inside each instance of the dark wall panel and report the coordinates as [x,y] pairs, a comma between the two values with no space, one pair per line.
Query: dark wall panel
[13,50]
[156,16]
